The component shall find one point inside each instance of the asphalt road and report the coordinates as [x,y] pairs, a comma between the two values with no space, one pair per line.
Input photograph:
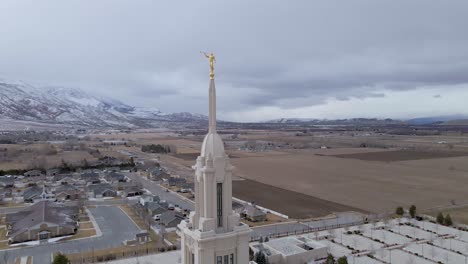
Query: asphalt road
[156,189]
[115,226]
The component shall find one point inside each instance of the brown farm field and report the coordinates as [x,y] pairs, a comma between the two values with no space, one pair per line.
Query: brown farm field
[402,155]
[374,186]
[293,204]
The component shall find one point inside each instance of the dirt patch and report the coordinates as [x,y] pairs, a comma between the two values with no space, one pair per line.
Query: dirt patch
[295,205]
[86,225]
[401,155]
[82,233]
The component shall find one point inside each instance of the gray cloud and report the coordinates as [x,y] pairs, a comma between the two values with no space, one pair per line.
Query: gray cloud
[269,53]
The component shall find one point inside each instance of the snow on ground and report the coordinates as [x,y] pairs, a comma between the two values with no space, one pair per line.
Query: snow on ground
[359,242]
[452,244]
[442,230]
[400,256]
[436,254]
[413,232]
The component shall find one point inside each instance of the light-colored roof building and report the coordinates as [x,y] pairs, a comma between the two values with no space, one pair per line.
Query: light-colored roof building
[291,250]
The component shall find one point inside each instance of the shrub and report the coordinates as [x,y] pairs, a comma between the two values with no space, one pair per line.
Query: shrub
[399,211]
[61,259]
[330,259]
[342,260]
[440,218]
[448,220]
[412,211]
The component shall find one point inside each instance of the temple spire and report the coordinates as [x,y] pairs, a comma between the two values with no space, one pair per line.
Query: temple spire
[212,107]
[212,110]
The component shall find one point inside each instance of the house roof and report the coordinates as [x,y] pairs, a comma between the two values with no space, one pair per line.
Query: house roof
[150,197]
[100,187]
[132,188]
[66,189]
[89,175]
[44,211]
[60,177]
[32,192]
[7,179]
[154,206]
[169,216]
[115,176]
[253,211]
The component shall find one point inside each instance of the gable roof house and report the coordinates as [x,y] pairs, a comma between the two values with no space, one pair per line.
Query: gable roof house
[147,198]
[115,177]
[53,172]
[7,181]
[64,179]
[158,174]
[40,221]
[171,219]
[253,213]
[155,208]
[101,190]
[66,192]
[90,177]
[131,191]
[176,181]
[35,193]
[33,173]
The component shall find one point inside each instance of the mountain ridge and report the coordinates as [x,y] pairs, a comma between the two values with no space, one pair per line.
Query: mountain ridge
[71,106]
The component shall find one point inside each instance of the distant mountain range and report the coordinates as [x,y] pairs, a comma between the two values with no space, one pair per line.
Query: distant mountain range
[22,102]
[454,120]
[443,120]
[23,105]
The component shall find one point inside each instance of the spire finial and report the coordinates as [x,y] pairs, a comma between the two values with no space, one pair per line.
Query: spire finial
[212,59]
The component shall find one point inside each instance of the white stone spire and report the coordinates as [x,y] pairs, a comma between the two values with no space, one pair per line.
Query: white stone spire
[213,233]
[212,108]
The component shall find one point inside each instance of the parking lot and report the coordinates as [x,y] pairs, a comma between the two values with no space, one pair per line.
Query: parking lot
[113,223]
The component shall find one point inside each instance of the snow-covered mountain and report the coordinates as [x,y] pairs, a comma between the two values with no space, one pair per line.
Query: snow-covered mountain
[58,105]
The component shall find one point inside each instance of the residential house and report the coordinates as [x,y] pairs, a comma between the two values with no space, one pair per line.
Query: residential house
[147,198]
[155,208]
[5,193]
[101,190]
[131,191]
[41,221]
[176,181]
[90,177]
[7,181]
[158,174]
[253,213]
[66,192]
[35,193]
[33,173]
[170,219]
[114,177]
[64,179]
[53,172]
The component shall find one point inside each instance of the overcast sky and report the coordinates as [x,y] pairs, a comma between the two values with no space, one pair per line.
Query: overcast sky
[303,59]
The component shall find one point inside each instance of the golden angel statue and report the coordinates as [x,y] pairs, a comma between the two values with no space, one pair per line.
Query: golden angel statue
[212,59]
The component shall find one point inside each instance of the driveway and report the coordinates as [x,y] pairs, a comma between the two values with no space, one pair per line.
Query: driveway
[115,227]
